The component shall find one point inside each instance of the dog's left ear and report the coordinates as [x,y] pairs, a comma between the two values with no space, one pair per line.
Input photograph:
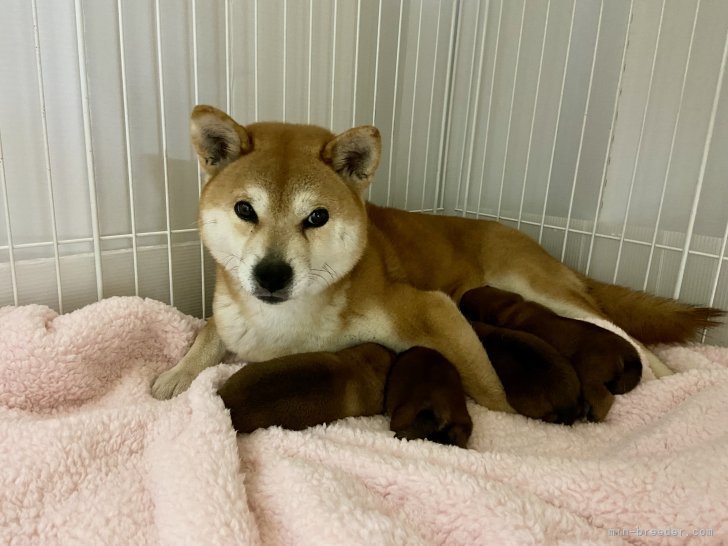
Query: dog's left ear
[354,155]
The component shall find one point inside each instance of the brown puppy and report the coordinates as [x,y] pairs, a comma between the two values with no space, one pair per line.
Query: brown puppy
[605,363]
[539,382]
[424,394]
[425,399]
[307,389]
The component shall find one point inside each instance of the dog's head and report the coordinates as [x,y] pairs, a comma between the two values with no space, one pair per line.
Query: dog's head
[282,210]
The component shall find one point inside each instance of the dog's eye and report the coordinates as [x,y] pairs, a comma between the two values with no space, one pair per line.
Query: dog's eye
[245,211]
[317,218]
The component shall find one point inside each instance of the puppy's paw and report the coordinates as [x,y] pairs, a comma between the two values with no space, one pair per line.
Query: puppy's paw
[426,400]
[539,382]
[430,424]
[171,383]
[608,366]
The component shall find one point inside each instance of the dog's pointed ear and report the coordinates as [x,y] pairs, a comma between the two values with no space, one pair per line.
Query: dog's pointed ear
[217,138]
[354,155]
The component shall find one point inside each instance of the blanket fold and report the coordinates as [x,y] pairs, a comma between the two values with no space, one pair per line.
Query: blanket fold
[87,456]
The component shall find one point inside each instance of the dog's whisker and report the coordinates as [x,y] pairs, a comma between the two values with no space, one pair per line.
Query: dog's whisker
[332,271]
[321,277]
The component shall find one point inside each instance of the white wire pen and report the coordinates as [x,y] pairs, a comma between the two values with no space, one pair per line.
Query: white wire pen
[701,174]
[583,130]
[127,146]
[510,111]
[533,114]
[165,163]
[47,153]
[8,227]
[640,140]
[556,124]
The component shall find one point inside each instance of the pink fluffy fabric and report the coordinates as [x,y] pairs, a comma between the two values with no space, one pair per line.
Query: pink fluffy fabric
[89,457]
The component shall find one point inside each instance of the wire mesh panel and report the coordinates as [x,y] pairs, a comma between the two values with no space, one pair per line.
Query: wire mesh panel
[99,183]
[596,127]
[600,129]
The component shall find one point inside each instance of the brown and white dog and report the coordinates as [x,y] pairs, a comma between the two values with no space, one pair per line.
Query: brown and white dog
[304,264]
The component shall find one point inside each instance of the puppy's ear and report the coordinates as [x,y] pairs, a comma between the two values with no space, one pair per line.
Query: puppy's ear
[354,155]
[217,138]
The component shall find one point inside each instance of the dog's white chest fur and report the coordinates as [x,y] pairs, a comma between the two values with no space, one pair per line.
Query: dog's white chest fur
[268,331]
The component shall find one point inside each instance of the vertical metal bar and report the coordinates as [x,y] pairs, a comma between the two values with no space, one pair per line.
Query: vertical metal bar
[701,174]
[376,65]
[533,116]
[198,170]
[556,125]
[490,104]
[583,129]
[8,227]
[255,55]
[165,166]
[285,53]
[356,63]
[510,113]
[376,78]
[228,84]
[46,149]
[639,144]
[432,100]
[672,148]
[446,120]
[468,117]
[310,58]
[714,288]
[127,144]
[394,104]
[414,102]
[333,68]
[476,106]
[603,179]
[89,148]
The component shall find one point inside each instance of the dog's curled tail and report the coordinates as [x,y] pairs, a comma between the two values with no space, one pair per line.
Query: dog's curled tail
[651,319]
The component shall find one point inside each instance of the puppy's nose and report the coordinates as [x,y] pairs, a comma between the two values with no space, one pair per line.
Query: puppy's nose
[273,274]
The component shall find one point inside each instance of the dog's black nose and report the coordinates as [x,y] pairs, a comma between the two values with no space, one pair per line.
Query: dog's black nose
[272,274]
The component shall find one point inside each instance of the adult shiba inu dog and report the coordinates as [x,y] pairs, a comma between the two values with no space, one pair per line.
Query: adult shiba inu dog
[304,264]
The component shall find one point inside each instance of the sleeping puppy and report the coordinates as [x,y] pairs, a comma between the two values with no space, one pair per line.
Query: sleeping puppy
[538,380]
[423,393]
[308,389]
[605,363]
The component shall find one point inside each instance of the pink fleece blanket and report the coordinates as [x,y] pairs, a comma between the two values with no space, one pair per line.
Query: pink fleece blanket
[87,456]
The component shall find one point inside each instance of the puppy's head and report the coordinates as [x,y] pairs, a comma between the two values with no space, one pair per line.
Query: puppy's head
[282,211]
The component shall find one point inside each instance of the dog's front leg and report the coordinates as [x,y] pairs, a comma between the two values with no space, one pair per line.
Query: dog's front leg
[206,351]
[432,320]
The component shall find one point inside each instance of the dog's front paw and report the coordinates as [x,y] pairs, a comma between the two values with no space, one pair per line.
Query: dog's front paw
[539,382]
[171,383]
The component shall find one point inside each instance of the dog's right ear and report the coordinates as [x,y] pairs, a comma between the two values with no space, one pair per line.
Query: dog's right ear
[218,139]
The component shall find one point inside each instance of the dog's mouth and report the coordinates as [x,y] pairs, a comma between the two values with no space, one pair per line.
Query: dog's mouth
[270,297]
